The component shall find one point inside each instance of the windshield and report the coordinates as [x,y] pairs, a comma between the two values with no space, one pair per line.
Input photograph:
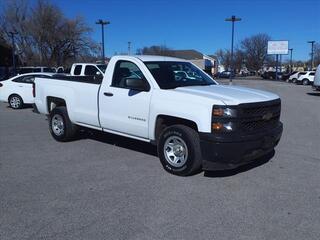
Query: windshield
[102,67]
[171,75]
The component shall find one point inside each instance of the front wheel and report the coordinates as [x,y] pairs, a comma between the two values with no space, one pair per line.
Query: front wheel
[60,126]
[179,150]
[294,80]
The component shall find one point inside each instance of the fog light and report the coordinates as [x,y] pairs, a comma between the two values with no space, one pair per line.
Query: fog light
[223,127]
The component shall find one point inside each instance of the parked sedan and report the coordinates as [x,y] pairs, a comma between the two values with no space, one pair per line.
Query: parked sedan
[293,77]
[17,90]
[271,75]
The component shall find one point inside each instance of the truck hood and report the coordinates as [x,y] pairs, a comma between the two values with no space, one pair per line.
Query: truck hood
[229,95]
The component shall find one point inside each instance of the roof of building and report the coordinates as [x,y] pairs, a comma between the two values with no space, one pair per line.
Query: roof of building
[186,54]
[153,58]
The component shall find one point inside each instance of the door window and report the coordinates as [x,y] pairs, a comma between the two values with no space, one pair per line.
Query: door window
[90,71]
[77,70]
[126,70]
[24,79]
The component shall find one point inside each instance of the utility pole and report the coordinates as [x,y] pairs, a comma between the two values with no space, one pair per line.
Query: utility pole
[277,65]
[13,51]
[102,23]
[232,19]
[312,44]
[290,49]
[129,48]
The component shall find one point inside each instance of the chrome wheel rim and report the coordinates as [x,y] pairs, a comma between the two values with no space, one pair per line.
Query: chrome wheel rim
[175,151]
[15,102]
[57,125]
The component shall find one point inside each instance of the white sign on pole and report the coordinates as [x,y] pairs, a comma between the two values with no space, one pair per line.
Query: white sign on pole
[278,47]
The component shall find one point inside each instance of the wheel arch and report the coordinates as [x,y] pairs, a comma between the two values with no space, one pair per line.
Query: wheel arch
[53,102]
[163,121]
[15,94]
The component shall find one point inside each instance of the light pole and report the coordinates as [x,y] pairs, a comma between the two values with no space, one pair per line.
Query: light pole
[312,44]
[13,51]
[129,48]
[290,49]
[232,19]
[102,23]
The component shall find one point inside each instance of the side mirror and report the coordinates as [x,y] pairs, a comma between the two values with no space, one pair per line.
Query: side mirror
[137,84]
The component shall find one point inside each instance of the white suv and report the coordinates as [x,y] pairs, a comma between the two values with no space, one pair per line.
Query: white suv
[306,78]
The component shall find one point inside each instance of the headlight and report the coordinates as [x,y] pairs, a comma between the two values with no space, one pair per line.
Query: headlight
[222,119]
[223,127]
[221,111]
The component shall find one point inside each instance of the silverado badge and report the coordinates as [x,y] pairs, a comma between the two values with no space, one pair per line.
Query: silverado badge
[267,116]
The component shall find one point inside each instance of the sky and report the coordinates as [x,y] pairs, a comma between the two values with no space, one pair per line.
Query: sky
[199,25]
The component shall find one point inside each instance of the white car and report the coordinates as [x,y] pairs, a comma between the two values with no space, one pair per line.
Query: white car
[293,77]
[17,90]
[306,78]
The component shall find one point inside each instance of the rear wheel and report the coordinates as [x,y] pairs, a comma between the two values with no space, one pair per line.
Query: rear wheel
[305,82]
[60,126]
[15,101]
[179,150]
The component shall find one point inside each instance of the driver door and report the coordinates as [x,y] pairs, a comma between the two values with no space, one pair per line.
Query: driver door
[124,110]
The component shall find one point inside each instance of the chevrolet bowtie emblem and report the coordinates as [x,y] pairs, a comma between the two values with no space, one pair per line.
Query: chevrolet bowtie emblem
[267,116]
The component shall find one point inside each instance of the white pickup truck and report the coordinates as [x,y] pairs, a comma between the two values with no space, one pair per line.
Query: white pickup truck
[195,122]
[87,69]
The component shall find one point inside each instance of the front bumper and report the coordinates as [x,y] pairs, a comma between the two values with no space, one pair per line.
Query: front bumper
[229,152]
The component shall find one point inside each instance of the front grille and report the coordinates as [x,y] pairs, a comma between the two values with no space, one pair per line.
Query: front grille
[259,116]
[252,126]
[260,111]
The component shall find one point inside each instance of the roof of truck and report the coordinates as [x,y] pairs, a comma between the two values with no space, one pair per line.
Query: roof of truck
[151,58]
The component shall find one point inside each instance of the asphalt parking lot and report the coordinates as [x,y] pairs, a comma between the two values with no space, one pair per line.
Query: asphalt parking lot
[107,187]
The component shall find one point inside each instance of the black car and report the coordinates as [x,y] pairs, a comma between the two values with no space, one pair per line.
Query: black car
[271,75]
[225,74]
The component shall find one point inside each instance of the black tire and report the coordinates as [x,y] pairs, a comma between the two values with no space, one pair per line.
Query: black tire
[305,82]
[68,129]
[294,80]
[15,101]
[190,137]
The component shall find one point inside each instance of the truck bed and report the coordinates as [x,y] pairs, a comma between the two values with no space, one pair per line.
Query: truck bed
[80,94]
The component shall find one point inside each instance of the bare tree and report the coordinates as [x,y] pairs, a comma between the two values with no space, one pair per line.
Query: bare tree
[239,60]
[255,50]
[155,50]
[15,17]
[45,35]
[224,57]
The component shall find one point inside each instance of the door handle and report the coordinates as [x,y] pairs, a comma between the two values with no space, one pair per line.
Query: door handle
[108,94]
